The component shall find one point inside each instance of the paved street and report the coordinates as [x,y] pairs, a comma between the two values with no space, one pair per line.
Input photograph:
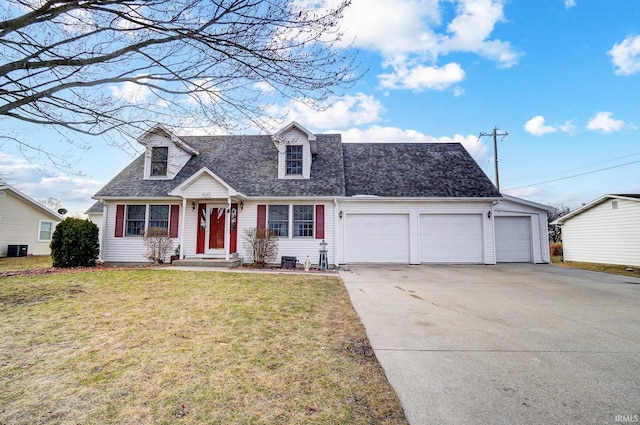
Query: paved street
[506,344]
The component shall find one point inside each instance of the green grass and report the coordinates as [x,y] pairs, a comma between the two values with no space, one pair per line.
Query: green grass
[165,347]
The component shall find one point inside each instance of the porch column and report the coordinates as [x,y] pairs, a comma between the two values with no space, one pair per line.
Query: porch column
[227,229]
[182,221]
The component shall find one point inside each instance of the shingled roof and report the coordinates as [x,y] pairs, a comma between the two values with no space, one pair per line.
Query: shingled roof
[249,164]
[430,170]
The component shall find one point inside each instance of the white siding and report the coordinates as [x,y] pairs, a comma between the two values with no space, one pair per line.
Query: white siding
[96,218]
[206,187]
[20,225]
[602,234]
[127,248]
[414,209]
[290,246]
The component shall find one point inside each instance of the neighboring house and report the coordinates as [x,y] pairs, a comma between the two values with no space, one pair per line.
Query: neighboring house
[94,215]
[24,222]
[606,231]
[406,203]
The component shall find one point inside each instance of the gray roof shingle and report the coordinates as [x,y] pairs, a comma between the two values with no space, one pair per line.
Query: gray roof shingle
[429,170]
[249,164]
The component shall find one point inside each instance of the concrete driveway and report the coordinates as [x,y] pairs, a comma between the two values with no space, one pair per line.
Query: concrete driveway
[506,344]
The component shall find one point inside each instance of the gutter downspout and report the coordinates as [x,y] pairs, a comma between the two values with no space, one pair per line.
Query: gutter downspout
[103,232]
[336,218]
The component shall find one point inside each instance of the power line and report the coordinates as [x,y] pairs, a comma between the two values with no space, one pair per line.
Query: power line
[576,175]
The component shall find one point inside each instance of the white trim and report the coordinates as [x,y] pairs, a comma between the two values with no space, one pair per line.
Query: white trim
[53,226]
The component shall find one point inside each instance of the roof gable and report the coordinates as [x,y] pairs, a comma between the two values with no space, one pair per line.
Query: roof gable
[592,204]
[160,130]
[30,201]
[204,184]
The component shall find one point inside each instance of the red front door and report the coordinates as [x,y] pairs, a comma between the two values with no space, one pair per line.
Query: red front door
[216,228]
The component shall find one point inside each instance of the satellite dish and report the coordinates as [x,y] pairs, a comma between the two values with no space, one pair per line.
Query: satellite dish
[62,211]
[2,194]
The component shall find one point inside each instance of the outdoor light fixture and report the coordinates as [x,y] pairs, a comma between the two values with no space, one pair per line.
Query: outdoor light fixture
[489,215]
[340,215]
[193,205]
[241,205]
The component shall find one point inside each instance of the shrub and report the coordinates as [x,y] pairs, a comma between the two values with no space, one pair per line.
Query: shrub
[555,249]
[158,244]
[261,245]
[75,243]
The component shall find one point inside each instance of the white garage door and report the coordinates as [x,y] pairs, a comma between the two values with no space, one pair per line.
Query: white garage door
[513,239]
[377,238]
[451,238]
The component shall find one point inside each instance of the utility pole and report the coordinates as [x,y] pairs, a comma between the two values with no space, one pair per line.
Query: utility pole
[495,135]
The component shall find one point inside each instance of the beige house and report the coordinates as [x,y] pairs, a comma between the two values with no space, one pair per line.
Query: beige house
[25,225]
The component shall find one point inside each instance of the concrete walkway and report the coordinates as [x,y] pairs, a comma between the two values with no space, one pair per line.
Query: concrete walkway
[507,344]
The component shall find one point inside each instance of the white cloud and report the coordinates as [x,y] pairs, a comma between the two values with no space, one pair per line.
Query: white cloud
[344,111]
[537,127]
[423,77]
[379,134]
[130,92]
[626,56]
[73,192]
[264,87]
[603,122]
[568,4]
[409,34]
[471,31]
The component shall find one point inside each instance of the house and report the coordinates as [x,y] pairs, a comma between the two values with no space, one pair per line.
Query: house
[26,225]
[605,231]
[406,203]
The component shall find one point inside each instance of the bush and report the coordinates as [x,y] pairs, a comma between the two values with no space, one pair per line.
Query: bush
[261,245]
[555,249]
[158,244]
[75,243]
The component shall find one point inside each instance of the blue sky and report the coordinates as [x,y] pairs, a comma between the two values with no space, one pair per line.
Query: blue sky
[561,76]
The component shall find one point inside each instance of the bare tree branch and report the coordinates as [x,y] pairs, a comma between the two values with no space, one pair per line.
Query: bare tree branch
[95,66]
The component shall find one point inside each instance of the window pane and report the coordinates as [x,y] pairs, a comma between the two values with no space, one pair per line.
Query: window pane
[45,231]
[293,164]
[159,158]
[159,216]
[279,219]
[135,220]
[303,220]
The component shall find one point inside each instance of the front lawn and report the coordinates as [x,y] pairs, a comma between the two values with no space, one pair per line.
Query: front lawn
[164,347]
[31,262]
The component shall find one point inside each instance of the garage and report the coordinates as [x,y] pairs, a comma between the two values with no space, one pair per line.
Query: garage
[377,238]
[451,238]
[513,239]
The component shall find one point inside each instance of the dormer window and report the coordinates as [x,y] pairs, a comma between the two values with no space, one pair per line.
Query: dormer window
[159,158]
[293,165]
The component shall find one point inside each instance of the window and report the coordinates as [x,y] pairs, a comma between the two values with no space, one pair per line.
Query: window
[45,231]
[279,219]
[135,220]
[293,163]
[159,216]
[159,158]
[303,220]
